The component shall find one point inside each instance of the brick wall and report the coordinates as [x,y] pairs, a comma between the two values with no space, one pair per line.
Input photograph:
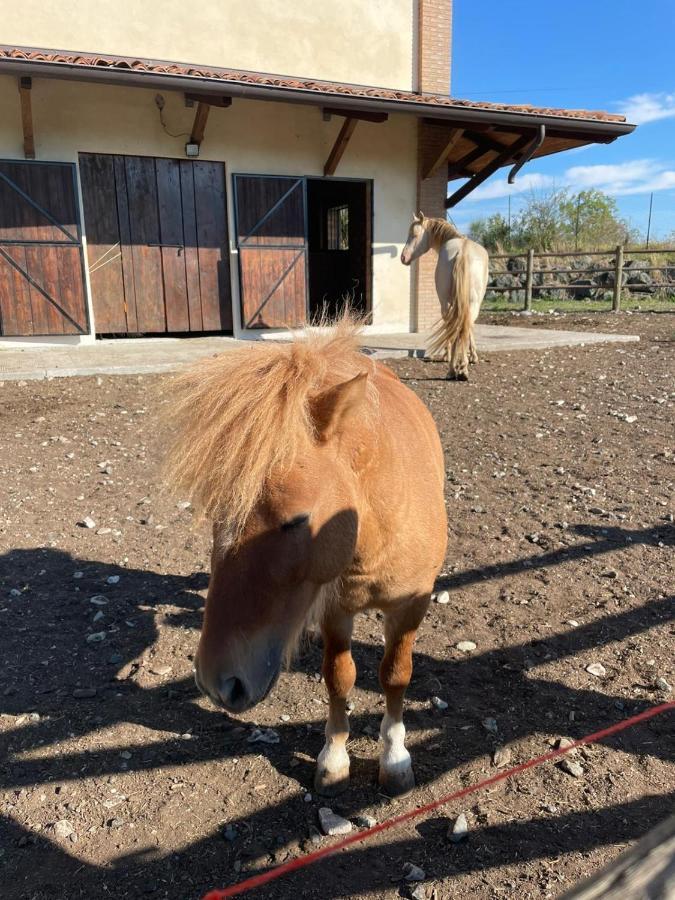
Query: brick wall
[434,30]
[434,47]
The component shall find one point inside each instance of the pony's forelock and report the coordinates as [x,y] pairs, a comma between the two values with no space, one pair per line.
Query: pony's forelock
[244,415]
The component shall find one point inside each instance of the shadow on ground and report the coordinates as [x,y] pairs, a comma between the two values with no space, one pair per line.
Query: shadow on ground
[43,643]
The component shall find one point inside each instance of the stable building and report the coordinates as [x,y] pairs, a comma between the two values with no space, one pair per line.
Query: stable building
[155,179]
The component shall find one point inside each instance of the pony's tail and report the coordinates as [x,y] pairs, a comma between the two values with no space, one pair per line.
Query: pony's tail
[454,328]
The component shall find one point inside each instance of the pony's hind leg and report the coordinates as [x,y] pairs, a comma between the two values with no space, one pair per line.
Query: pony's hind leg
[339,672]
[396,775]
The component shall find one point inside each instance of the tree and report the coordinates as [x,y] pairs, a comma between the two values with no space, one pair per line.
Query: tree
[590,219]
[492,232]
[557,220]
[539,224]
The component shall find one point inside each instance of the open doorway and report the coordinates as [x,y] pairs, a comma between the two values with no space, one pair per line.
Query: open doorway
[339,216]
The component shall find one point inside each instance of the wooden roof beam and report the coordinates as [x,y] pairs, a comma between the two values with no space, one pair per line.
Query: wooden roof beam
[25,87]
[437,161]
[509,154]
[209,99]
[457,169]
[360,115]
[340,146]
[483,139]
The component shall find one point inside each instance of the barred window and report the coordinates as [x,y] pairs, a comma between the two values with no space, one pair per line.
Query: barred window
[337,228]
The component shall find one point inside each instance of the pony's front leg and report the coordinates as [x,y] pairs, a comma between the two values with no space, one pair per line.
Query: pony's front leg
[339,672]
[396,774]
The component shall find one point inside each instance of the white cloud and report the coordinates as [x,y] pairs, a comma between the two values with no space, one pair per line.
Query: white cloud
[642,108]
[532,181]
[637,176]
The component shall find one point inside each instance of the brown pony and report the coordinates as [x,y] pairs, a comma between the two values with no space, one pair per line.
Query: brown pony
[323,476]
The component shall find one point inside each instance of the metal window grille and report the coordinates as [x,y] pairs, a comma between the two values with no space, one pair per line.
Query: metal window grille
[337,228]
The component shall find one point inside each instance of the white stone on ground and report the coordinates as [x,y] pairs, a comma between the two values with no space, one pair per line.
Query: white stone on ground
[596,669]
[411,872]
[459,830]
[332,824]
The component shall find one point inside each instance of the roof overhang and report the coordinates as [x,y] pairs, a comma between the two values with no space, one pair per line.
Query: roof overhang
[479,137]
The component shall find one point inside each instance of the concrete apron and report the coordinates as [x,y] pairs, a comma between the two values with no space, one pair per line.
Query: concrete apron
[142,356]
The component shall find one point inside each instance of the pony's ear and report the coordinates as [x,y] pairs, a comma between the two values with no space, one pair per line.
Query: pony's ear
[420,215]
[332,407]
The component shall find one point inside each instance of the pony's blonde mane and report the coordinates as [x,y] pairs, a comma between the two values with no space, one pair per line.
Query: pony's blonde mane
[440,230]
[244,415]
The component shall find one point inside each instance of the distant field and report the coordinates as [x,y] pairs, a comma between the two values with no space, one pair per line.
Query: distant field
[647,304]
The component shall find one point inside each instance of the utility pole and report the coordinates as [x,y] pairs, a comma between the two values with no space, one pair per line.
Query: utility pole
[509,221]
[649,220]
[576,224]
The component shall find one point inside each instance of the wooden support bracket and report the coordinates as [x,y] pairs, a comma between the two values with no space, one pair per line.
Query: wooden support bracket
[339,146]
[509,154]
[25,87]
[199,124]
[453,136]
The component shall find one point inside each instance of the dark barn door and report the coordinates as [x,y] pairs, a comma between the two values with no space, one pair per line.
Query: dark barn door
[157,244]
[272,244]
[41,279]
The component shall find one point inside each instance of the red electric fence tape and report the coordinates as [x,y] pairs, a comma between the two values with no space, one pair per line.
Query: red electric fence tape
[311,858]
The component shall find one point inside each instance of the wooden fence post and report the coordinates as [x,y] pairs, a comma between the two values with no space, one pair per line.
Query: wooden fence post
[618,277]
[528,279]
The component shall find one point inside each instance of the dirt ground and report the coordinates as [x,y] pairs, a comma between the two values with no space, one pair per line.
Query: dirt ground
[119,780]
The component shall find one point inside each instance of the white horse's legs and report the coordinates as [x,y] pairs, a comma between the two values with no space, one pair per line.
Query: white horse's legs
[458,357]
[473,355]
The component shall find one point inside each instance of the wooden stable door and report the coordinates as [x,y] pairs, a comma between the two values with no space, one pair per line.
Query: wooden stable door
[272,244]
[156,244]
[41,276]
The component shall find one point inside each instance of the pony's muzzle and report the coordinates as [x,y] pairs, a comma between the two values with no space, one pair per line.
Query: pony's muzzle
[239,687]
[234,694]
[405,259]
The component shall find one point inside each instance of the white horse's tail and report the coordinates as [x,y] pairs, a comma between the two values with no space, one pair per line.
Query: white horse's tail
[454,327]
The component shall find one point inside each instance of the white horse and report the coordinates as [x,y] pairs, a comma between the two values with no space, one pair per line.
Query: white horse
[461,281]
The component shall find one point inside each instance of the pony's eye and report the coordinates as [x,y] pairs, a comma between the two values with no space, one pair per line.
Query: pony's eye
[300,519]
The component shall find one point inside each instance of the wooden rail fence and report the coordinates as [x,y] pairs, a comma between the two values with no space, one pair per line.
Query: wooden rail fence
[617,268]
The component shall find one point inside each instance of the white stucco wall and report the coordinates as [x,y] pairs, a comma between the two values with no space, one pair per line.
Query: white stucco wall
[352,41]
[251,136]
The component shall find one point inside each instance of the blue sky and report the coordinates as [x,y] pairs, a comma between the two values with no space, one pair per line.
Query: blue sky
[613,55]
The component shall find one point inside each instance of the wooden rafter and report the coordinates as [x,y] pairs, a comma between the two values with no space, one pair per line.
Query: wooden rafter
[459,168]
[509,154]
[25,87]
[483,139]
[437,161]
[340,146]
[199,124]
